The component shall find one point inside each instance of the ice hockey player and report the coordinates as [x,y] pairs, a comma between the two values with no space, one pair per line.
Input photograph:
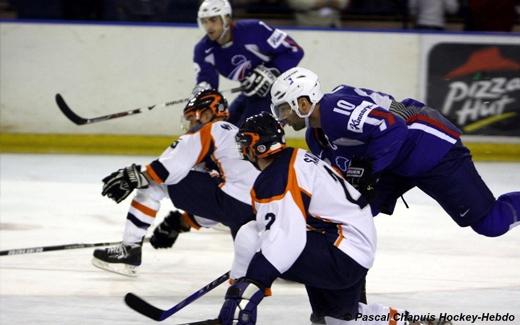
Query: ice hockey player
[181,173]
[386,148]
[248,51]
[311,227]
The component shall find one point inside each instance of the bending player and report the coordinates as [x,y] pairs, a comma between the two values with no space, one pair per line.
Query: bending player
[181,173]
[386,148]
[311,227]
[248,51]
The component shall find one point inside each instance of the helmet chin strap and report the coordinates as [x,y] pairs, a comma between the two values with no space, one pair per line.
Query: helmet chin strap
[224,30]
[306,116]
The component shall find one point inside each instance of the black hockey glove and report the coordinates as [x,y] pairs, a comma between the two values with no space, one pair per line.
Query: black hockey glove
[166,233]
[259,81]
[359,174]
[118,185]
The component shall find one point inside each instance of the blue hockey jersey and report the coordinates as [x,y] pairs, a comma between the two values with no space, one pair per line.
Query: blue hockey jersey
[253,43]
[357,122]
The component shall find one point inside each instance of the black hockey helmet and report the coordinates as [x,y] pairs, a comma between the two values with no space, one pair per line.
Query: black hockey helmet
[207,99]
[261,136]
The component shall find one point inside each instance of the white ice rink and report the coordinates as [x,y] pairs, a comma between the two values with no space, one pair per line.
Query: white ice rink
[424,263]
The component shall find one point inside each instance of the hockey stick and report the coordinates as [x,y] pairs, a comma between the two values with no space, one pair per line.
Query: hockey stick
[78,120]
[32,250]
[204,322]
[141,306]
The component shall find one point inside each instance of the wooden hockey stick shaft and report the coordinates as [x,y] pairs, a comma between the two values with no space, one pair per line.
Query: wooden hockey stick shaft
[78,120]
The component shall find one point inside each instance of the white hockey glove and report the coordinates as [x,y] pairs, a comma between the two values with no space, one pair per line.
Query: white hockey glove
[118,185]
[259,81]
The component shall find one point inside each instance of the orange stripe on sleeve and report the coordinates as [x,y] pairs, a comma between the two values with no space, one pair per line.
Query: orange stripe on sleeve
[190,221]
[153,175]
[144,209]
[292,185]
[206,140]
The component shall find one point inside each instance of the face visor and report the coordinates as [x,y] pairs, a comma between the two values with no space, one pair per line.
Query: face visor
[281,112]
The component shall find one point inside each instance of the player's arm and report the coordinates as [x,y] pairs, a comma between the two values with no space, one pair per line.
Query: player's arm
[282,240]
[172,166]
[385,139]
[177,161]
[283,51]
[382,131]
[206,75]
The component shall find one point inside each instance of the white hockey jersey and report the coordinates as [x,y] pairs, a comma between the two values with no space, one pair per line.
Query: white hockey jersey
[212,147]
[298,192]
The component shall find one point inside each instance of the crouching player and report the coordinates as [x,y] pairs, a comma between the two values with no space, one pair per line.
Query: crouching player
[181,173]
[311,227]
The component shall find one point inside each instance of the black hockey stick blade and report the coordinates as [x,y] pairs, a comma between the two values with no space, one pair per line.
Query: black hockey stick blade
[78,120]
[140,305]
[65,109]
[143,307]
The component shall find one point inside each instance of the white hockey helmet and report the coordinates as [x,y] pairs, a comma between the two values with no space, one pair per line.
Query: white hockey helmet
[212,8]
[293,84]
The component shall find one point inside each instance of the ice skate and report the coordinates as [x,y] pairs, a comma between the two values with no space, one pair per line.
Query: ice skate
[122,259]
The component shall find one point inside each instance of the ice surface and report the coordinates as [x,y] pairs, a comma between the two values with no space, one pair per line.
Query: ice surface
[424,263]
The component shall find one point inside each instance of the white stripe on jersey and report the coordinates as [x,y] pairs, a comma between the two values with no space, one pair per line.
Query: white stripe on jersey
[432,131]
[253,48]
[374,121]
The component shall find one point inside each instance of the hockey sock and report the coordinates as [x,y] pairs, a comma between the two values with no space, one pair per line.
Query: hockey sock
[140,216]
[503,216]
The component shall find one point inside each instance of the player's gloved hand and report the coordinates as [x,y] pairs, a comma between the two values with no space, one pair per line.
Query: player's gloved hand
[242,299]
[166,233]
[118,185]
[259,81]
[200,87]
[359,174]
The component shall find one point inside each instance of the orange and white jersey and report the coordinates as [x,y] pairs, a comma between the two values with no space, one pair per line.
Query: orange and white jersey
[298,192]
[212,147]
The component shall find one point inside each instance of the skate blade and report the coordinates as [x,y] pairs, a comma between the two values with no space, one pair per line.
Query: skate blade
[119,268]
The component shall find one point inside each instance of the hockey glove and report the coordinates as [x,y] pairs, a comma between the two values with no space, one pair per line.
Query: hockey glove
[242,299]
[166,233]
[259,81]
[118,185]
[359,174]
[200,87]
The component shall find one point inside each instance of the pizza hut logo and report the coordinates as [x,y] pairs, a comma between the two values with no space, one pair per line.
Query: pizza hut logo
[480,93]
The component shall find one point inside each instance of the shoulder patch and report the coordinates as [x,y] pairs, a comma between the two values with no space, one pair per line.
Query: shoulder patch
[276,38]
[359,116]
[174,144]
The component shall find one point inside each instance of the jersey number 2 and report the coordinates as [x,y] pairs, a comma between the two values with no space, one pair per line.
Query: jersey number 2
[270,218]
